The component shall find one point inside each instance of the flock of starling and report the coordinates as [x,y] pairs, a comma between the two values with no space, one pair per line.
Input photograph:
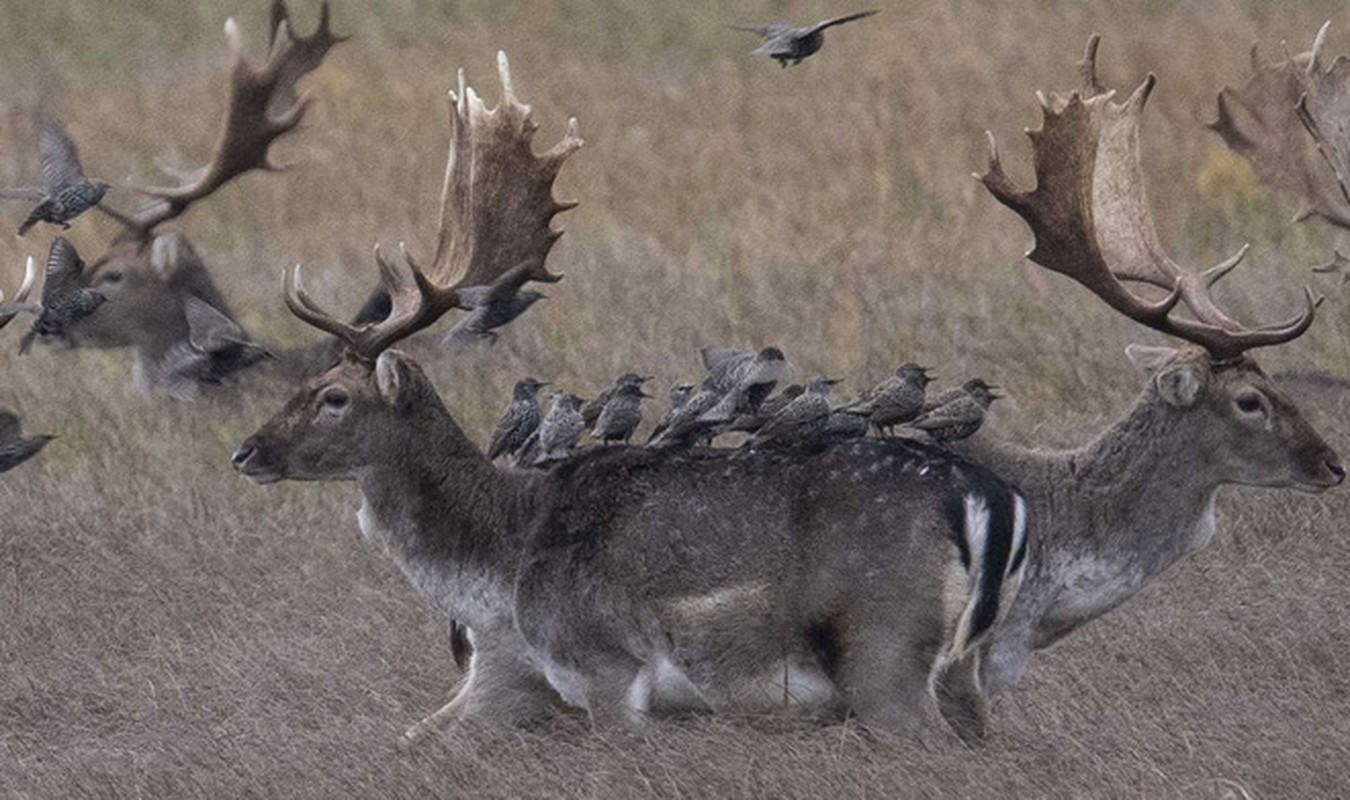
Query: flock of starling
[737,396]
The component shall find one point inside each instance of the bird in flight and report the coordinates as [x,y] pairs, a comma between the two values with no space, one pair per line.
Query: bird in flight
[66,192]
[786,43]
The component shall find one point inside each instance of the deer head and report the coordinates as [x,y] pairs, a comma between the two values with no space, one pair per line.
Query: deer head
[147,277]
[1092,223]
[495,228]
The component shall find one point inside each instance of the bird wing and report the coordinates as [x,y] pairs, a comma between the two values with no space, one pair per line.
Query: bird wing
[60,160]
[960,411]
[765,31]
[829,23]
[10,429]
[715,358]
[208,329]
[63,270]
[28,193]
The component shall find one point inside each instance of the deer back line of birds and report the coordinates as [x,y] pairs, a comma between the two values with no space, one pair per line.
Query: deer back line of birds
[736,398]
[734,404]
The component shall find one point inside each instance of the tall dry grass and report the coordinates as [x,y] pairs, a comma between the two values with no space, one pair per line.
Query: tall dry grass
[172,630]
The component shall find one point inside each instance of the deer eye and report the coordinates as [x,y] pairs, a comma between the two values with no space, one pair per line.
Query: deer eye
[110,277]
[335,399]
[1249,403]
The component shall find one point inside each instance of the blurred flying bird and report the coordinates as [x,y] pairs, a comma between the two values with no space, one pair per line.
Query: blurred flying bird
[591,412]
[493,306]
[960,417]
[216,347]
[561,429]
[64,301]
[66,193]
[15,448]
[621,415]
[520,420]
[785,43]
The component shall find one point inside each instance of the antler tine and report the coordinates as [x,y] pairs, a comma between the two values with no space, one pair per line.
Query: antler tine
[1087,68]
[1090,217]
[300,304]
[21,296]
[262,107]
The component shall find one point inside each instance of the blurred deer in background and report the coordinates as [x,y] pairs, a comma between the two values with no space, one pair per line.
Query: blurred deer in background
[1111,515]
[627,580]
[151,278]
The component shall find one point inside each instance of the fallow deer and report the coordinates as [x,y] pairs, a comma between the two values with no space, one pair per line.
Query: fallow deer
[149,277]
[628,580]
[1111,515]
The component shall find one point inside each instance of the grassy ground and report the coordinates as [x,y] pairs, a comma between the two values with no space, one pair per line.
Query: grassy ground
[172,630]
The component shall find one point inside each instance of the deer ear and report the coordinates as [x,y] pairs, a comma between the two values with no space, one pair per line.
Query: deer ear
[1180,384]
[1147,359]
[393,377]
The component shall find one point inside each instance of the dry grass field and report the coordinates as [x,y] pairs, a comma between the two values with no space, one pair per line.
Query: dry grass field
[168,629]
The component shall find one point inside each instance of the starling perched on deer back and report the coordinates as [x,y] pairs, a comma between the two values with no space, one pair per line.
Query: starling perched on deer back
[800,420]
[961,416]
[896,400]
[64,301]
[753,421]
[591,413]
[679,395]
[15,448]
[520,420]
[621,415]
[66,192]
[686,426]
[785,43]
[561,429]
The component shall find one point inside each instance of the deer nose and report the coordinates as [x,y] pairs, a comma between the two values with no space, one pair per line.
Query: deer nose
[242,455]
[1337,471]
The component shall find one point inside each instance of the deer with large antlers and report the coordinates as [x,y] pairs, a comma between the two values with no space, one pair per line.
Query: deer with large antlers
[633,580]
[1113,514]
[151,278]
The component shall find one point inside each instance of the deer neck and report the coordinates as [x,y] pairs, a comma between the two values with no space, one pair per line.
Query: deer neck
[448,518]
[1109,516]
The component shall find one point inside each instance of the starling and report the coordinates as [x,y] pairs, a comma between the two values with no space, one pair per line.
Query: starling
[800,419]
[64,301]
[15,448]
[66,193]
[520,420]
[948,395]
[685,426]
[622,414]
[561,429]
[785,43]
[492,307]
[215,348]
[679,395]
[895,400]
[961,416]
[841,426]
[591,413]
[753,421]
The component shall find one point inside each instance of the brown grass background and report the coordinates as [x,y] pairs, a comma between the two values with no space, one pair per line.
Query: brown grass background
[171,630]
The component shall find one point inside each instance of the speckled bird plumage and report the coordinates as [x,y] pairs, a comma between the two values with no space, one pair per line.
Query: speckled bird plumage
[960,417]
[800,420]
[66,192]
[520,420]
[64,301]
[15,448]
[622,414]
[896,400]
[561,429]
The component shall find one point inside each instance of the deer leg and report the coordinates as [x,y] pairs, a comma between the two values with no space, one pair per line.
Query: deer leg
[501,687]
[961,700]
[618,692]
[884,678]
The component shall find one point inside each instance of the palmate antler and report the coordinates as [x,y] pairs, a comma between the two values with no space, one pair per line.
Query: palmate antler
[11,309]
[495,225]
[263,106]
[1268,122]
[1091,219]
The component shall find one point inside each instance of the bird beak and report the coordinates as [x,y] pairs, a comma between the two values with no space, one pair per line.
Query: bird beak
[544,383]
[643,394]
[644,379]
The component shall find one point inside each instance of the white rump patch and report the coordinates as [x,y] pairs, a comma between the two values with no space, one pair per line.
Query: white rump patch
[1019,532]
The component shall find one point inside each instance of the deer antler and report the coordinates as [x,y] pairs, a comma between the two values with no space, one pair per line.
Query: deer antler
[10,310]
[1091,219]
[263,106]
[495,227]
[1267,123]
